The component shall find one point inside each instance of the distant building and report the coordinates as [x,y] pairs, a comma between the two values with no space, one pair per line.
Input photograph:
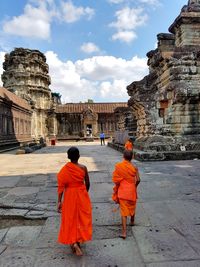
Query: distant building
[86,119]
[26,78]
[15,119]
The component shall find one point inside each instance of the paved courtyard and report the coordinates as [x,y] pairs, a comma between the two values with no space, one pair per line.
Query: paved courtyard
[167,231]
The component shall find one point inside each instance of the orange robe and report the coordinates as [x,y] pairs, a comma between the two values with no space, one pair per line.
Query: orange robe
[125,176]
[76,214]
[128,145]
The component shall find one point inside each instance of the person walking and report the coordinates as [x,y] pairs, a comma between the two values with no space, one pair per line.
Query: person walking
[129,145]
[126,179]
[74,203]
[102,138]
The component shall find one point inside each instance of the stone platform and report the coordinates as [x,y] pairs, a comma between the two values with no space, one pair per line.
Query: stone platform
[167,230]
[153,155]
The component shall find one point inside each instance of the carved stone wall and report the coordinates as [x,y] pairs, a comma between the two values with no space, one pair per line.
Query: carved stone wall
[15,119]
[166,103]
[26,75]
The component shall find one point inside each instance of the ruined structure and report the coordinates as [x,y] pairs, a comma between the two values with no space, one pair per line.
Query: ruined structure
[26,74]
[166,103]
[126,125]
[15,119]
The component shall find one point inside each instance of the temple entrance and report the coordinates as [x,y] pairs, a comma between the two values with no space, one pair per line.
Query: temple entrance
[89,130]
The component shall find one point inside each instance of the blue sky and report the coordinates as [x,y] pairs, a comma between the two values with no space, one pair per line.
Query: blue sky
[94,48]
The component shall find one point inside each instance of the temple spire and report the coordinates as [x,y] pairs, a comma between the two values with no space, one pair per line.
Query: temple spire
[190,2]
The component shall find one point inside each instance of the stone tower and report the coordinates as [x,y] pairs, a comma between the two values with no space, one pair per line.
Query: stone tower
[26,73]
[166,102]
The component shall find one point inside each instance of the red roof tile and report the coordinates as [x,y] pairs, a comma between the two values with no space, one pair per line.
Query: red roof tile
[95,107]
[7,95]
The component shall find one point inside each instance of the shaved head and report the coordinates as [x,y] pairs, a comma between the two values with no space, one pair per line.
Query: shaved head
[128,155]
[73,153]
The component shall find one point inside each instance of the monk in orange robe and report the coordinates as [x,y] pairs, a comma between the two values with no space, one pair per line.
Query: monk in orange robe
[74,203]
[126,177]
[128,145]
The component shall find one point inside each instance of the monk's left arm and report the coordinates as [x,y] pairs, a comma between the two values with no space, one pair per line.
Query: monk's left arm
[87,179]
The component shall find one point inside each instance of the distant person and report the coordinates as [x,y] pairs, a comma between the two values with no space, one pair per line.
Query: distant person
[126,179]
[129,145]
[74,203]
[90,132]
[102,138]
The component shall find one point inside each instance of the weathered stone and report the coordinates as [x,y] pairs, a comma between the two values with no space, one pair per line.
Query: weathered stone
[3,233]
[165,103]
[17,258]
[21,191]
[8,181]
[162,245]
[22,235]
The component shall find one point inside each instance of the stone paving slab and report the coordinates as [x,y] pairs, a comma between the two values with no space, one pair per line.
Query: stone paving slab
[103,214]
[3,233]
[162,245]
[187,211]
[100,177]
[97,253]
[8,181]
[101,192]
[21,191]
[159,213]
[191,263]
[13,212]
[17,258]
[22,235]
[2,249]
[191,234]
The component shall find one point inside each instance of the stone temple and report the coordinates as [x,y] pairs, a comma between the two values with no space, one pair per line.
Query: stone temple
[29,110]
[162,115]
[166,103]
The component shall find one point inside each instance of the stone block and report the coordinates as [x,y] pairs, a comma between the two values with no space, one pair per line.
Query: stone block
[9,181]
[17,258]
[162,245]
[22,236]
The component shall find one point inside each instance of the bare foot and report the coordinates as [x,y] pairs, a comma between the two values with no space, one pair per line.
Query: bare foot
[72,248]
[78,250]
[123,236]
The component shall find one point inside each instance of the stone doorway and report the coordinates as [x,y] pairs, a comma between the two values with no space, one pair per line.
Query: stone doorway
[89,130]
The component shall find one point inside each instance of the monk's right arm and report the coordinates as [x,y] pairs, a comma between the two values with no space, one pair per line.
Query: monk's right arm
[60,189]
[87,180]
[137,177]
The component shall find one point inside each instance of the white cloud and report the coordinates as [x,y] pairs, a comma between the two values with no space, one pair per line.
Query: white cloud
[71,13]
[150,2]
[125,36]
[128,19]
[34,22]
[89,48]
[2,55]
[101,78]
[116,1]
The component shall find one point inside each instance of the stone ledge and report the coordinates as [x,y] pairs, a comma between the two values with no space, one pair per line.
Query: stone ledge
[118,147]
[166,155]
[159,156]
